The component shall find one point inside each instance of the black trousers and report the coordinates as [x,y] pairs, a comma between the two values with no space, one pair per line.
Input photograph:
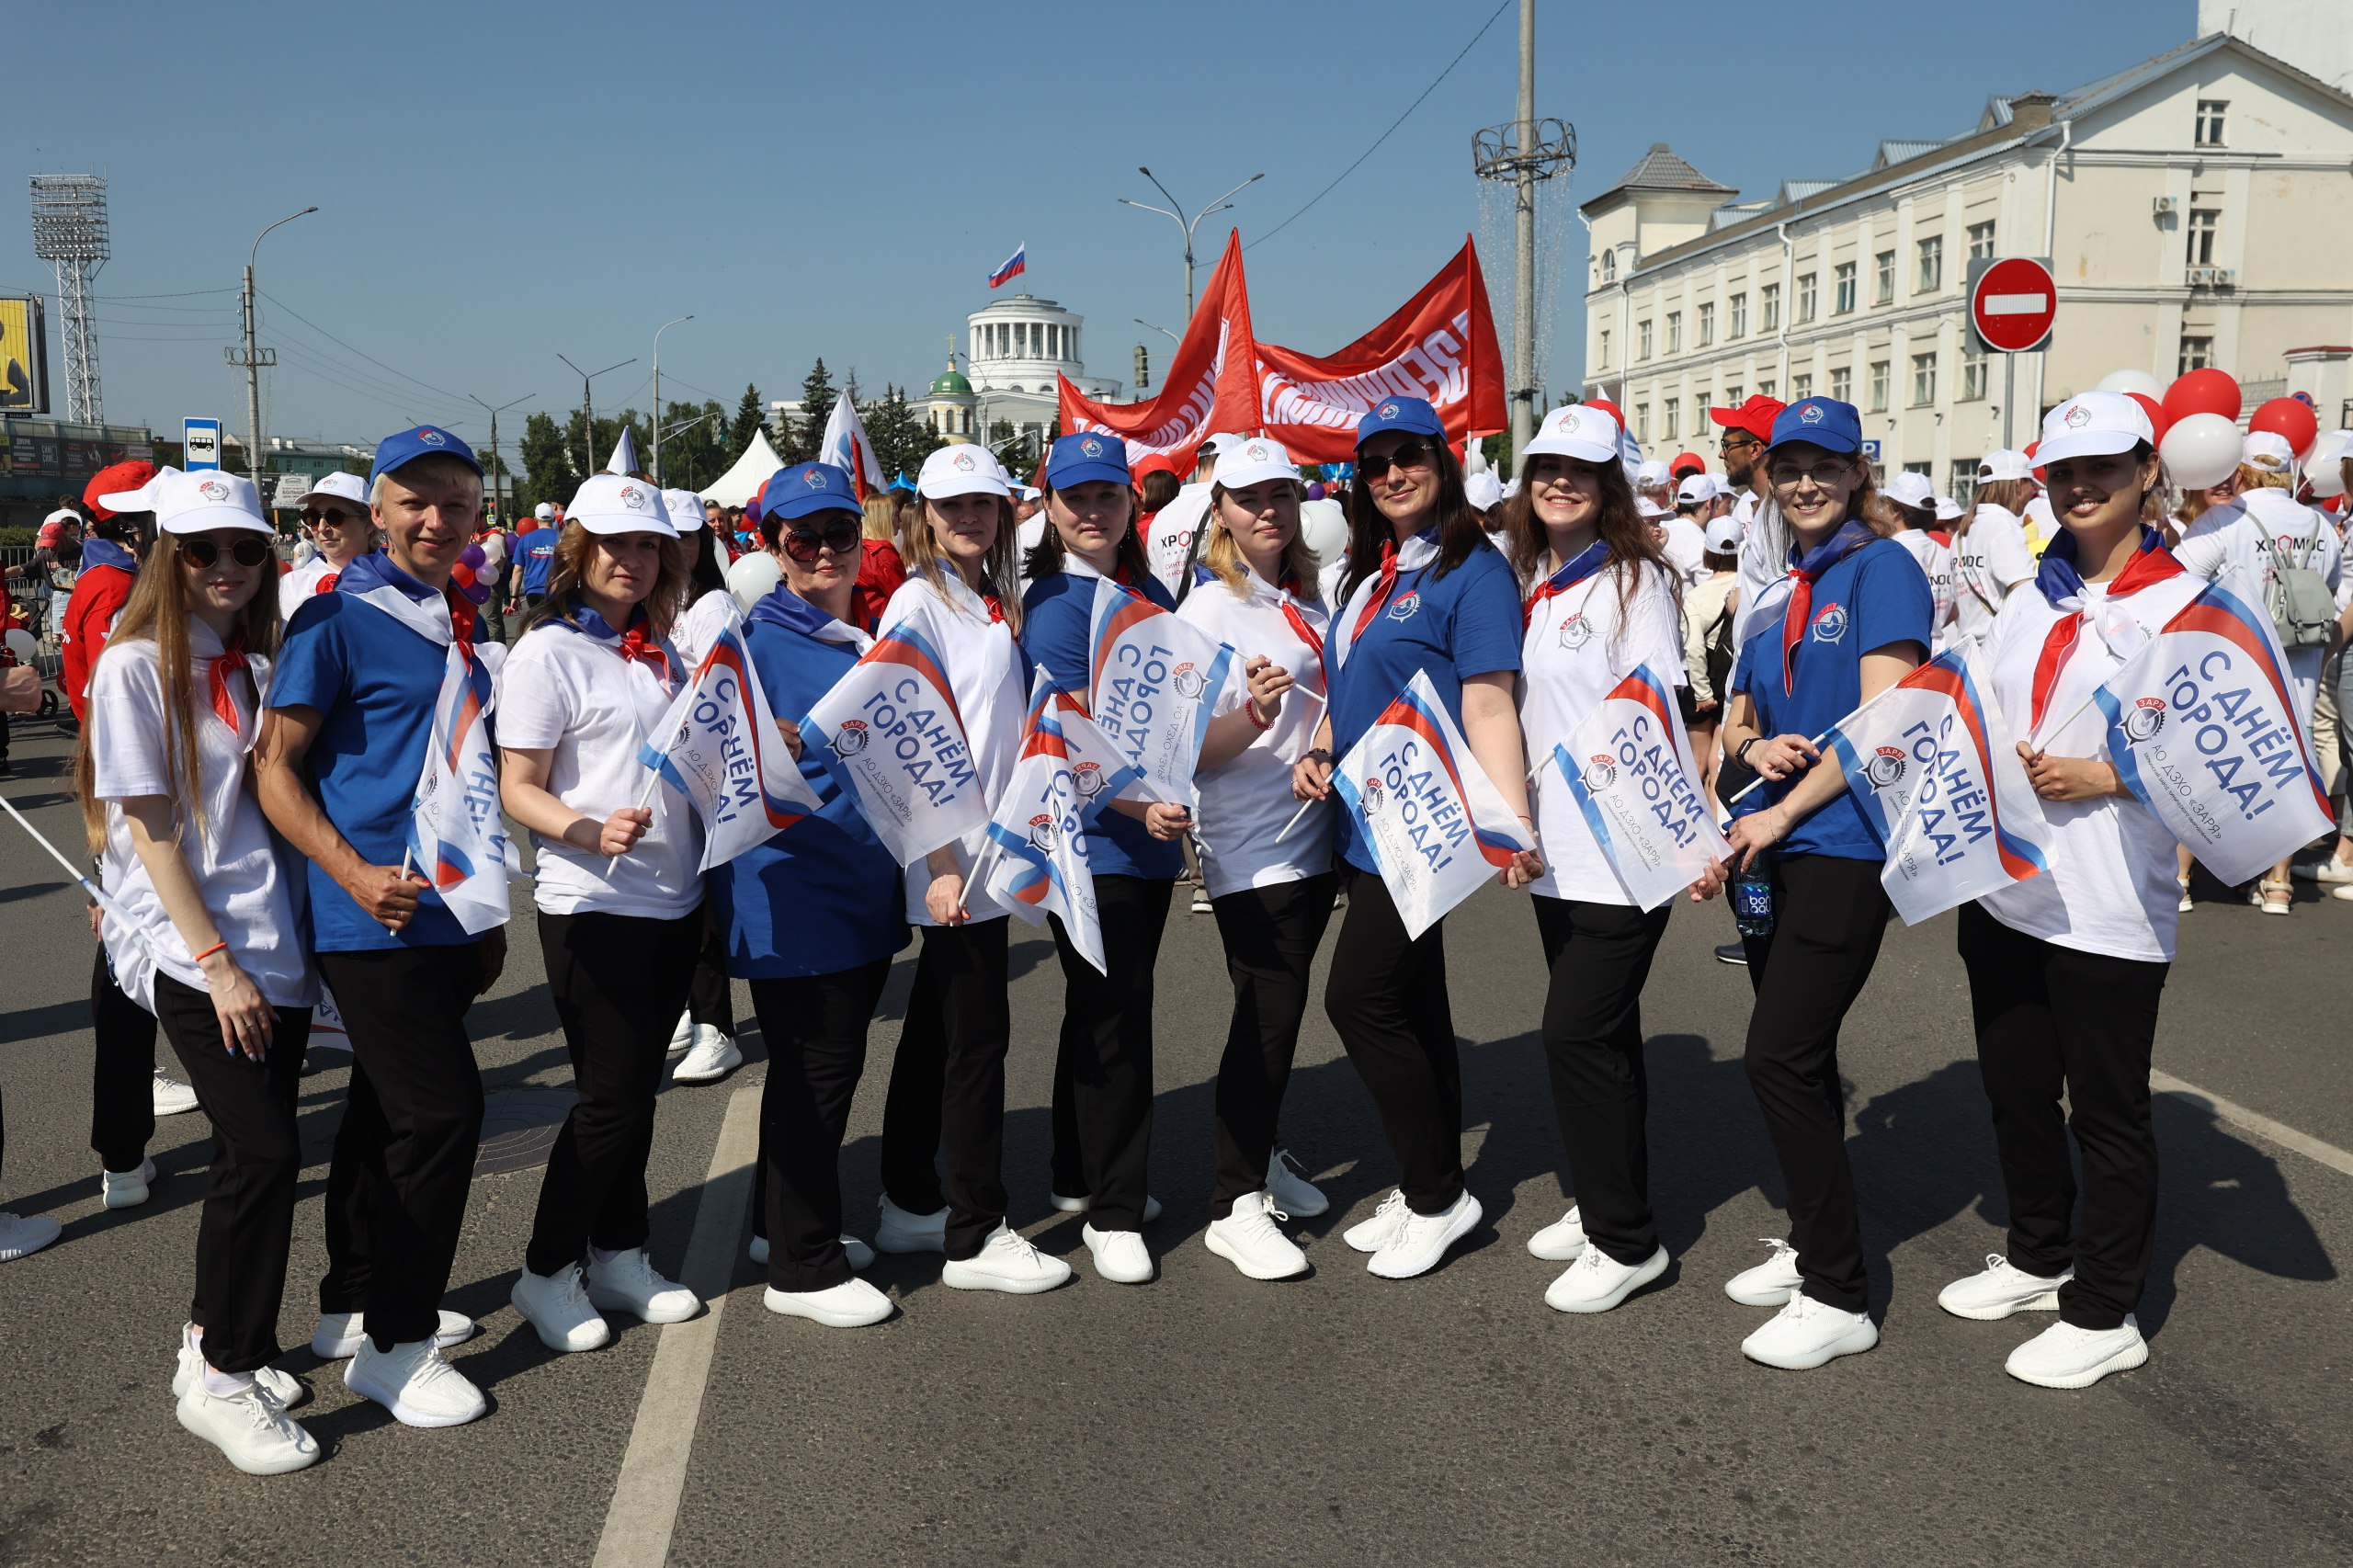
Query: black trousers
[2052,1021]
[1598,956]
[947,1095]
[405,1155]
[247,1228]
[1829,916]
[1386,998]
[712,999]
[1270,935]
[122,1072]
[816,1029]
[1103,1060]
[618,982]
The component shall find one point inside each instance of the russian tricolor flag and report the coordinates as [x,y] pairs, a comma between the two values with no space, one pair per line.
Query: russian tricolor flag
[1014,265]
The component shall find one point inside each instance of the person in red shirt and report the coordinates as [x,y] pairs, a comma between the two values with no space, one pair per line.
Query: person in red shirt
[109,562]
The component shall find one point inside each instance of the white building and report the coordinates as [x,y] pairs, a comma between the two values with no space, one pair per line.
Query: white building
[1018,346]
[2196,209]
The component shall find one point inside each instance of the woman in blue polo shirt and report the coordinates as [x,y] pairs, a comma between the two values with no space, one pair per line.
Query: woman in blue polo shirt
[1857,619]
[1103,1069]
[811,917]
[1424,592]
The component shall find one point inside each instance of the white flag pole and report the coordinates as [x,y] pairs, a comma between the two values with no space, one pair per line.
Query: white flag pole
[1815,743]
[98,895]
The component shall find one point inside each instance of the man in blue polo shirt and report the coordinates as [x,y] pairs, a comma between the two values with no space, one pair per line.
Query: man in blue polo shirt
[337,766]
[538,553]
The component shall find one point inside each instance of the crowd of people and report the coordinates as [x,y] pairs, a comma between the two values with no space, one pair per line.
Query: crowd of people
[253,740]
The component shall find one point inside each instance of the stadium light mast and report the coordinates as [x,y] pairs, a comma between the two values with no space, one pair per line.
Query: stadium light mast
[69,233]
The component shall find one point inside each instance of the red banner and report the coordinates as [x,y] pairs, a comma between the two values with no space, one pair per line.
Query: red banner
[1205,388]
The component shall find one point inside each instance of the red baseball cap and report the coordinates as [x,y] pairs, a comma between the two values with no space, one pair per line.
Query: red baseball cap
[114,480]
[1687,463]
[1755,415]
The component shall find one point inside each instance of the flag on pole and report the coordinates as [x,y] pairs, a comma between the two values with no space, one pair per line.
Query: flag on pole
[1014,265]
[1629,767]
[1934,770]
[624,458]
[1153,686]
[2203,726]
[457,839]
[890,732]
[722,753]
[846,447]
[1436,825]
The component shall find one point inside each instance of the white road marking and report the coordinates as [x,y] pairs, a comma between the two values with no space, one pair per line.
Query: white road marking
[2262,1126]
[653,1471]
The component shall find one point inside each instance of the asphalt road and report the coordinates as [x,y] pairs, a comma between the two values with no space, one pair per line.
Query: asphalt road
[1207,1418]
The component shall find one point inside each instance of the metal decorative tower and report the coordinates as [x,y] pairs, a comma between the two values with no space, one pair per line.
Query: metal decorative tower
[69,233]
[1520,154]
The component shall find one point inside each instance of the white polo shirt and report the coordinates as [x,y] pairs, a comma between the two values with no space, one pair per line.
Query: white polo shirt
[2236,534]
[300,584]
[1935,562]
[1989,559]
[1168,541]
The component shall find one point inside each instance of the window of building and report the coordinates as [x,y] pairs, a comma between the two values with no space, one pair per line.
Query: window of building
[2205,222]
[1973,372]
[1768,307]
[1879,386]
[1883,278]
[1842,290]
[1672,412]
[1932,264]
[1604,349]
[1804,312]
[1707,325]
[1980,242]
[2196,354]
[1765,388]
[1800,387]
[1700,406]
[1641,340]
[1734,394]
[1842,384]
[1609,266]
[2210,121]
[1736,316]
[1924,380]
[1962,484]
[1675,332]
[1641,422]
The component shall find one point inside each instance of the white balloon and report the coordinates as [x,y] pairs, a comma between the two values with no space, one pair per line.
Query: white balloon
[752,576]
[1325,526]
[20,643]
[2200,449]
[2138,381]
[2323,469]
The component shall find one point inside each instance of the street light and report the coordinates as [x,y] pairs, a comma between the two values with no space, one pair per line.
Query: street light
[588,409]
[1162,329]
[494,413]
[657,393]
[1220,205]
[253,360]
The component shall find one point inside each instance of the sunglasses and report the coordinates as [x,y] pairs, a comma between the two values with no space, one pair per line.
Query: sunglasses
[205,552]
[1825,475]
[329,517]
[841,536]
[1409,454]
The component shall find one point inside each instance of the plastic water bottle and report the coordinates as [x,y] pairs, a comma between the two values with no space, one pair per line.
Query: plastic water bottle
[1752,897]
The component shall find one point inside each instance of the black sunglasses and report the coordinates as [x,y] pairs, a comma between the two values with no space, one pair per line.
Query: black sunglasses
[244,553]
[1409,454]
[841,536]
[328,516]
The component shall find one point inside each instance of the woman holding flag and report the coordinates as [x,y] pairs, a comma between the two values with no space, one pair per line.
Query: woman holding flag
[1426,594]
[1603,605]
[204,928]
[1103,1065]
[1855,620]
[619,888]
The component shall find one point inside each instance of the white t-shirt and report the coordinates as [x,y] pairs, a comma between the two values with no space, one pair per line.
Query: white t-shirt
[566,692]
[300,584]
[1989,559]
[240,869]
[1245,801]
[2109,888]
[1168,542]
[696,629]
[991,692]
[1686,548]
[2234,535]
[1935,562]
[1764,581]
[1578,645]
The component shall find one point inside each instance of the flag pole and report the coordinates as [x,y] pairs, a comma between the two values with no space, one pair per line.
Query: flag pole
[98,895]
[1816,742]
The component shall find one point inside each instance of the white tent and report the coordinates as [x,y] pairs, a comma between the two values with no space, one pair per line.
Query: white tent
[742,481]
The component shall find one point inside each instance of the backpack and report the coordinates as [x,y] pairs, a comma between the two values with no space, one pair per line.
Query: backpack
[2303,612]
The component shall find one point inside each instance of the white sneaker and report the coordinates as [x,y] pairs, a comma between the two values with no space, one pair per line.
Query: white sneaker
[1081,1205]
[1596,1281]
[340,1335]
[251,1428]
[1119,1256]
[713,1057]
[1201,900]
[416,1384]
[851,1305]
[1248,1239]
[1773,1282]
[2001,1290]
[172,1097]
[286,1389]
[861,1256]
[1562,1240]
[2187,903]
[2330,871]
[1371,1235]
[1288,1185]
[125,1190]
[1806,1333]
[900,1231]
[2065,1356]
[1421,1242]
[628,1282]
[1006,1261]
[557,1305]
[19,1237]
[682,1039]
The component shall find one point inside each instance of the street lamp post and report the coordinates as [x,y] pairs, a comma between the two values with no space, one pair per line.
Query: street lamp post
[494,469]
[588,408]
[657,393]
[254,358]
[1220,205]
[1162,329]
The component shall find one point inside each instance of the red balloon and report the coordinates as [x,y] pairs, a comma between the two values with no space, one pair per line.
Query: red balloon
[2203,391]
[2287,417]
[2158,423]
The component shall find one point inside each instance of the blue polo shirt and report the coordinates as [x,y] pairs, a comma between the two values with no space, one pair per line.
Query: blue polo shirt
[1055,615]
[1465,623]
[538,558]
[374,682]
[1875,595]
[822,896]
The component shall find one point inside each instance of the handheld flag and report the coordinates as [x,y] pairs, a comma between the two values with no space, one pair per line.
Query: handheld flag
[1014,265]
[624,458]
[724,757]
[1436,827]
[846,445]
[456,837]
[1153,685]
[890,732]
[1628,766]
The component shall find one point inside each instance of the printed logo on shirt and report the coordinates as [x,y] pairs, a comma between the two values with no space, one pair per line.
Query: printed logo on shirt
[1043,833]
[1371,796]
[1600,772]
[1188,681]
[1576,631]
[1831,624]
[1406,607]
[1885,769]
[2146,719]
[851,738]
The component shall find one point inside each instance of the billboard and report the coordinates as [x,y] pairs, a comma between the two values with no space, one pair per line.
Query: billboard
[24,356]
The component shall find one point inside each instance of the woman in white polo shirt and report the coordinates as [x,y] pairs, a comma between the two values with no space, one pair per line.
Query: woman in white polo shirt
[1990,558]
[203,928]
[335,514]
[619,890]
[2066,969]
[1255,591]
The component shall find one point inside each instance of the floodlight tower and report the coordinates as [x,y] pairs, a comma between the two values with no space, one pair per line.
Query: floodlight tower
[1520,154]
[69,233]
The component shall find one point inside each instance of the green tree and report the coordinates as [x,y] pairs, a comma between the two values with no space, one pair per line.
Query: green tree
[902,437]
[750,415]
[550,463]
[817,396]
[694,448]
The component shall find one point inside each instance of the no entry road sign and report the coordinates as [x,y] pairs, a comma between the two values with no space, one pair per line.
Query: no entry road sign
[2012,303]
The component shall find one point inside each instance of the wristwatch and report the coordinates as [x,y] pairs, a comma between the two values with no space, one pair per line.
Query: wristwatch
[1740,753]
[1320,754]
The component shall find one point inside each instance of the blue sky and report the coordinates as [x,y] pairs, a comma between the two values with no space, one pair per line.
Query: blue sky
[499,183]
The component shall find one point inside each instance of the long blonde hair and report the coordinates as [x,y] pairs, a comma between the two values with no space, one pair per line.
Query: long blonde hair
[1221,552]
[158,611]
[920,552]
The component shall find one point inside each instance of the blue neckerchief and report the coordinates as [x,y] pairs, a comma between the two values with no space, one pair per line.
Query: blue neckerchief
[96,552]
[1589,560]
[2057,578]
[1851,536]
[780,606]
[578,617]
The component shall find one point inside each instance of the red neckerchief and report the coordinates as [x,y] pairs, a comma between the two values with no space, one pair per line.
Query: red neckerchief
[1299,623]
[1942,536]
[1590,560]
[639,643]
[1803,575]
[1380,595]
[232,660]
[2154,565]
[997,608]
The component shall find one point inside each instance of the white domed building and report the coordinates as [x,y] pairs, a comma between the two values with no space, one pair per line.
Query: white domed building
[1018,346]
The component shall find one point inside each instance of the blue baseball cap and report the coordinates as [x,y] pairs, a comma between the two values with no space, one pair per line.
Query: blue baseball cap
[804,488]
[1088,455]
[411,445]
[1410,414]
[1822,422]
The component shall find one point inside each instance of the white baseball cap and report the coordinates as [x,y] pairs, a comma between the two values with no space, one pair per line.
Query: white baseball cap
[1483,489]
[1694,490]
[1654,471]
[1579,431]
[1723,536]
[194,502]
[1649,507]
[2003,463]
[616,504]
[544,512]
[2092,425]
[1252,459]
[1722,487]
[337,486]
[2269,450]
[684,508]
[1910,489]
[1948,510]
[961,470]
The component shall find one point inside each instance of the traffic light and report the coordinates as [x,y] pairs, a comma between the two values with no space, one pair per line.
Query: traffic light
[1143,368]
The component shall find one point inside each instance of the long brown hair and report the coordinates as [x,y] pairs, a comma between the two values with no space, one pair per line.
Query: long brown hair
[573,548]
[1459,529]
[1046,557]
[1221,552]
[2010,495]
[158,611]
[1633,551]
[919,551]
